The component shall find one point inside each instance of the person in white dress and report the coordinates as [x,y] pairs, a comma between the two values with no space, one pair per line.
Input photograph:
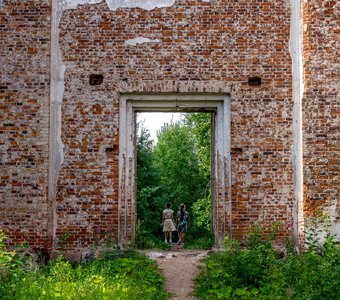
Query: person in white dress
[168,223]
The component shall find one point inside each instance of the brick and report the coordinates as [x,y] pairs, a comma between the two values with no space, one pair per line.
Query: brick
[200,43]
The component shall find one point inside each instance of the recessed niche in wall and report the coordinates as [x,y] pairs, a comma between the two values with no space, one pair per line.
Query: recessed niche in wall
[254,81]
[236,150]
[96,79]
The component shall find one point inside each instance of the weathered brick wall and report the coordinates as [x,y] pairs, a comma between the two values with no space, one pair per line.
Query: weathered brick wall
[321,108]
[24,120]
[262,184]
[189,42]
[185,47]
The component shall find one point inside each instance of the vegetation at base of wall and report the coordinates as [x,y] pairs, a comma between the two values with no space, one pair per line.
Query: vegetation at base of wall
[260,272]
[130,277]
[6,258]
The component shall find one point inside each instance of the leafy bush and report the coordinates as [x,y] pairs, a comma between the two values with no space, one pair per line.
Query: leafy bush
[201,211]
[130,277]
[6,258]
[199,235]
[259,272]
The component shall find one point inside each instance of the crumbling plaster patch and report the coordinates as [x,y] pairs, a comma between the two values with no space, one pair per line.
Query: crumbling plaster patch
[72,4]
[328,227]
[58,84]
[335,227]
[116,4]
[140,40]
[147,5]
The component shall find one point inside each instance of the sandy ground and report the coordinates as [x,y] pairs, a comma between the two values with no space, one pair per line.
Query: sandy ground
[179,268]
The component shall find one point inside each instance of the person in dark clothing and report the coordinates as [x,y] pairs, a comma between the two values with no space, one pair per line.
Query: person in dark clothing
[182,223]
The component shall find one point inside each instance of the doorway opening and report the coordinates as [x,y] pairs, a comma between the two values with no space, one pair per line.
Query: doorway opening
[173,166]
[219,107]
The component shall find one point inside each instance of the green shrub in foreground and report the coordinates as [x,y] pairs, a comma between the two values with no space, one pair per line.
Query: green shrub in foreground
[6,258]
[259,273]
[132,277]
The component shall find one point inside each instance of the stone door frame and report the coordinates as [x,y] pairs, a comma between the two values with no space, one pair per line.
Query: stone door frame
[219,106]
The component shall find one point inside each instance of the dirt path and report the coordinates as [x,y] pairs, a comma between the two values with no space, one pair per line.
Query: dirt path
[179,268]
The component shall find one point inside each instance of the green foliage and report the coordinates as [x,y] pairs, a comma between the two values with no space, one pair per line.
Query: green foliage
[203,241]
[150,205]
[146,174]
[199,235]
[130,277]
[145,240]
[258,272]
[6,258]
[199,124]
[177,163]
[315,226]
[105,241]
[150,201]
[173,171]
[201,212]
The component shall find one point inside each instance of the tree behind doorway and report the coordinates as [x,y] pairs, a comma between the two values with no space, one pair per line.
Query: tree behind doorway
[174,170]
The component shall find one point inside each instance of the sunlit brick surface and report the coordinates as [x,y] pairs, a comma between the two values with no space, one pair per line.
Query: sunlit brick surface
[188,47]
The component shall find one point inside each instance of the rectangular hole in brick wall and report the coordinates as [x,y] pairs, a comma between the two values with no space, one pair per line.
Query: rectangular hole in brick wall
[111,150]
[236,150]
[254,81]
[96,79]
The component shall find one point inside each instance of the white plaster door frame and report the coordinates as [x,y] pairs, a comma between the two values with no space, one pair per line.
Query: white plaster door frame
[219,104]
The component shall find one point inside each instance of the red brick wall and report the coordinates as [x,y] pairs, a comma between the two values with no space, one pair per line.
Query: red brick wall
[321,107]
[196,47]
[24,120]
[201,42]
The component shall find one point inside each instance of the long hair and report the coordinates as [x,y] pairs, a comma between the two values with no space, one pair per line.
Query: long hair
[182,208]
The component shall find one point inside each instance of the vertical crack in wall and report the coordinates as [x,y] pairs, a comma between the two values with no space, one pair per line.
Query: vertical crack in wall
[295,49]
[57,87]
